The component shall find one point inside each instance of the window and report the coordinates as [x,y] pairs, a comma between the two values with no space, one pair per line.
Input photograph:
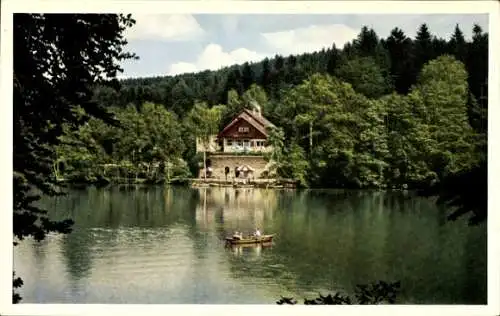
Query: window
[229,142]
[243,129]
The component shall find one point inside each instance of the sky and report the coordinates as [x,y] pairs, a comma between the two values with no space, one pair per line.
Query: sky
[180,43]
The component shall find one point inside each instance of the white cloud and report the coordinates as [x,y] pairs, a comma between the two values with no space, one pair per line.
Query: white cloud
[182,67]
[182,27]
[213,57]
[309,39]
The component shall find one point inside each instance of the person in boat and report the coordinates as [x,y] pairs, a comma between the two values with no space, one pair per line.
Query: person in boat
[238,235]
[257,233]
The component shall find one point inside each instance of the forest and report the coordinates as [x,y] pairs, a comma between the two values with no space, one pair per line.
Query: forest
[391,112]
[376,113]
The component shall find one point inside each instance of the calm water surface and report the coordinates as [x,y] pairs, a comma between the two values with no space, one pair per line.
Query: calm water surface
[165,245]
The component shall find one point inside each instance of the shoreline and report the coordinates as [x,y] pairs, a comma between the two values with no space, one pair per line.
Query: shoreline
[191,182]
[210,183]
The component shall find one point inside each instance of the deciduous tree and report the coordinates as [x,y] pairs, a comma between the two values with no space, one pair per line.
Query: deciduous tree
[58,60]
[204,122]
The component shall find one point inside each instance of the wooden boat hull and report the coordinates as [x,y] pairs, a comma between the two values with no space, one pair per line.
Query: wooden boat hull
[266,244]
[249,241]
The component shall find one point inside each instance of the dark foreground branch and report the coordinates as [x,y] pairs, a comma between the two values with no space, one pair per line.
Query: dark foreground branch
[466,191]
[374,293]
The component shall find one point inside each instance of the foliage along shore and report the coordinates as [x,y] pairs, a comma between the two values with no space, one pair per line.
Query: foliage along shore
[393,113]
[102,182]
[379,112]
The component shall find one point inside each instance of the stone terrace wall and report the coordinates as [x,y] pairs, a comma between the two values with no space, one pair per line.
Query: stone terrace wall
[219,162]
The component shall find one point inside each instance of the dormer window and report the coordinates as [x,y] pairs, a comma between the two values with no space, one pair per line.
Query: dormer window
[243,129]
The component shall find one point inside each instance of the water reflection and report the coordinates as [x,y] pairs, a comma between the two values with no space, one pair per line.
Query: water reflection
[77,250]
[166,245]
[235,209]
[249,250]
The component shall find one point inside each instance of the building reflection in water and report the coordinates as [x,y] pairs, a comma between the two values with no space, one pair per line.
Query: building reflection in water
[230,209]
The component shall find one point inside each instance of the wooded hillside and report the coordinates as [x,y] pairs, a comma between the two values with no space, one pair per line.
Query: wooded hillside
[378,112]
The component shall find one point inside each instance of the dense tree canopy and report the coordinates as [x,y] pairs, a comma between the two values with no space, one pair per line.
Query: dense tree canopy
[58,60]
[378,113]
[373,65]
[394,112]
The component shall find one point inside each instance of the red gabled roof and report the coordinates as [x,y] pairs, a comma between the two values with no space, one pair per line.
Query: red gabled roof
[258,121]
[259,118]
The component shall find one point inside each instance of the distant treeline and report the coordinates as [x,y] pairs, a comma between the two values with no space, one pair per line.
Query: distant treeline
[377,113]
[396,61]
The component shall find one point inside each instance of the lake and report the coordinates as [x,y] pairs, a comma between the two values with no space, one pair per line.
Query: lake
[165,245]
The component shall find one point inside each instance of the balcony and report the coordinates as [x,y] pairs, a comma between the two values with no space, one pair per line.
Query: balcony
[244,149]
[241,147]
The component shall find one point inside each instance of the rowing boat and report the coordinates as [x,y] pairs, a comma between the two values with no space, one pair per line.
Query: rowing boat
[265,244]
[250,240]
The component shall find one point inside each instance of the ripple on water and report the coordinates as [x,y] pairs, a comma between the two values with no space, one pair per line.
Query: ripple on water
[184,261]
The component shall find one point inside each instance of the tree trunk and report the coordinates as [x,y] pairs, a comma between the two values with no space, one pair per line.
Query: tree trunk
[310,137]
[168,170]
[55,165]
[136,171]
[205,165]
